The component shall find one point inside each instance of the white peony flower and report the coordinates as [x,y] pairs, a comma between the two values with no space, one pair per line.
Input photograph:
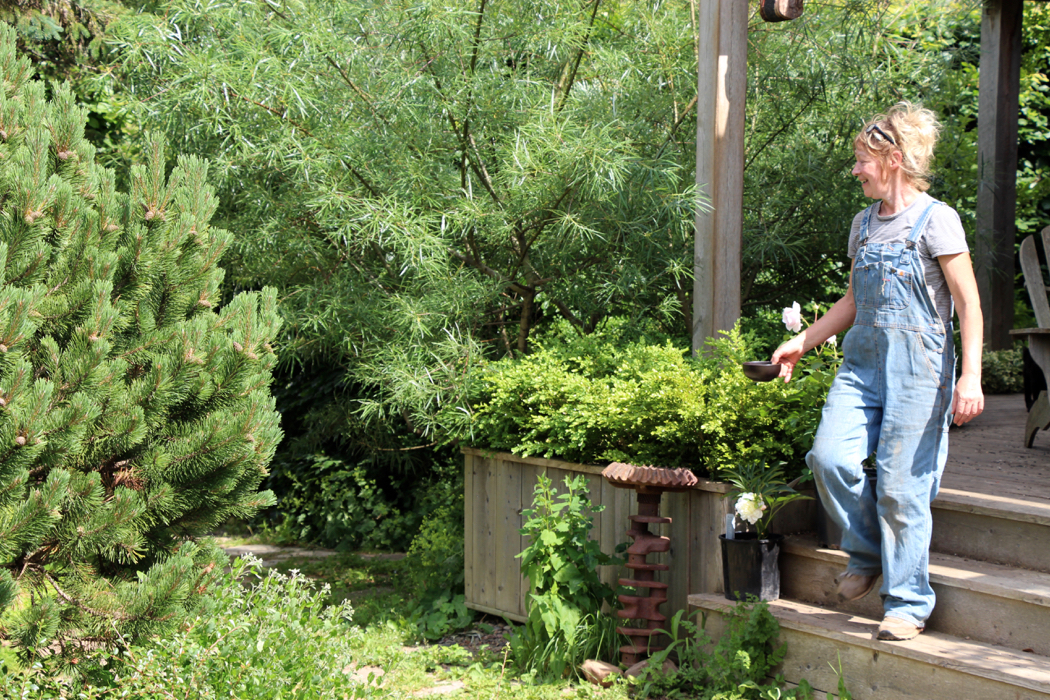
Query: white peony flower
[750,507]
[832,341]
[793,318]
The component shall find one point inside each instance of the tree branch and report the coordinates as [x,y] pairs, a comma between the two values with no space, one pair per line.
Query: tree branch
[567,81]
[494,274]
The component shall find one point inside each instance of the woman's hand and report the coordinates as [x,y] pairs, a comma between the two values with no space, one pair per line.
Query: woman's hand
[788,355]
[968,401]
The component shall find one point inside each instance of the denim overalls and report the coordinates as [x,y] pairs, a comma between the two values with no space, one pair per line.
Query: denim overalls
[892,396]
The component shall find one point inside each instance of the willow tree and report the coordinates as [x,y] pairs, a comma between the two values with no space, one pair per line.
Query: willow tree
[426,180]
[134,415]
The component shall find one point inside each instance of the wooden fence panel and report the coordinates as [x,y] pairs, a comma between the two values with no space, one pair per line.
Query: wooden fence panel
[499,486]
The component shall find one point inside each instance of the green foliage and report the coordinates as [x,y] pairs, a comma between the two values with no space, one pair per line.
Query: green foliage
[337,505]
[426,181]
[767,487]
[134,416]
[435,571]
[611,396]
[263,635]
[342,504]
[1002,371]
[736,668]
[565,625]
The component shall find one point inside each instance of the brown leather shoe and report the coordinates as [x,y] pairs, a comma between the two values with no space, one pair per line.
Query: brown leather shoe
[854,586]
[894,629]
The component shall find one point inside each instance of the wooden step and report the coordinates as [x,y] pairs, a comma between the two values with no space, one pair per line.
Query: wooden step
[977,600]
[933,665]
[994,528]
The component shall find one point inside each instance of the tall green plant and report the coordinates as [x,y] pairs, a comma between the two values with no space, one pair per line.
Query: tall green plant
[134,415]
[565,623]
[425,181]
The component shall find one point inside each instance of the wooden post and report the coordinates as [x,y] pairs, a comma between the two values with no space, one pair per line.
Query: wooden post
[1000,80]
[721,90]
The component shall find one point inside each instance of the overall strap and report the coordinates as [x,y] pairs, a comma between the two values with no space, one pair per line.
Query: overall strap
[920,225]
[864,219]
[916,233]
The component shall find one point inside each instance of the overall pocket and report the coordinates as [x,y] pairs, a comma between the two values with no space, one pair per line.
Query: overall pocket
[882,286]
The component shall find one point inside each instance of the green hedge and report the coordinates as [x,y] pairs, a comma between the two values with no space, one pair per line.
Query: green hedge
[609,397]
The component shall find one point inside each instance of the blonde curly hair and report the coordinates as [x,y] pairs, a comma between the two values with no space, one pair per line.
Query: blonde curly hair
[908,128]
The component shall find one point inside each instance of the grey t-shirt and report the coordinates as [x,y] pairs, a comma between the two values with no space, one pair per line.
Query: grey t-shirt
[944,235]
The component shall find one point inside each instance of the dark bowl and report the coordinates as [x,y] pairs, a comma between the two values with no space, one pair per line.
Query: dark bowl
[761,371]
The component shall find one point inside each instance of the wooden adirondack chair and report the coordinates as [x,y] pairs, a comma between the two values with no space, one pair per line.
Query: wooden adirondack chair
[1038,338]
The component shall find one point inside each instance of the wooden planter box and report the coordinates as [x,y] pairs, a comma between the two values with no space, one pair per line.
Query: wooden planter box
[499,486]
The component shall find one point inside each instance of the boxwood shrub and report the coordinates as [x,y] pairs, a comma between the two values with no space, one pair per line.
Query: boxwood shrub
[616,395]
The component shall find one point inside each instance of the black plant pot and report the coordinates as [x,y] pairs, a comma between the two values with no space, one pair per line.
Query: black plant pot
[750,566]
[829,534]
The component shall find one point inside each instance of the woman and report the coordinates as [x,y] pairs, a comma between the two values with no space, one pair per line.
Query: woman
[893,395]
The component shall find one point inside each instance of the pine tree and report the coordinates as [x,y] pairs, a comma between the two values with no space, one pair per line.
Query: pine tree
[134,414]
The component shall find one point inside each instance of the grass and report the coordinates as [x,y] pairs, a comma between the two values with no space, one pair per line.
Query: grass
[410,668]
[371,584]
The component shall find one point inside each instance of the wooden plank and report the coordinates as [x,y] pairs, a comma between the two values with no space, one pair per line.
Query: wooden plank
[530,474]
[507,515]
[676,506]
[931,666]
[469,540]
[704,243]
[486,527]
[1033,280]
[594,490]
[538,461]
[611,530]
[708,521]
[1000,72]
[729,161]
[497,612]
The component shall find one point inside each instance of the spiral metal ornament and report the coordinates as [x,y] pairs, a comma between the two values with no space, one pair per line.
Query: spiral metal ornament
[649,483]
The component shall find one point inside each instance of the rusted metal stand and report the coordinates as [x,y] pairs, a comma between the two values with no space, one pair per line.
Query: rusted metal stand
[649,483]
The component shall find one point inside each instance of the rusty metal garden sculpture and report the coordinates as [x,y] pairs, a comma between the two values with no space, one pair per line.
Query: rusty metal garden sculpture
[649,483]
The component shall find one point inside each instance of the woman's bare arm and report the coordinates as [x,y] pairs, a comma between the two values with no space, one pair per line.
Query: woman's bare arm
[968,402]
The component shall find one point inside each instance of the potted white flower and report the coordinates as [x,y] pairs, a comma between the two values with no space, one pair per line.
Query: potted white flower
[750,556]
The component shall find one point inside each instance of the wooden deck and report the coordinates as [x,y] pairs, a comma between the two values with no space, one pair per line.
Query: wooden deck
[987,455]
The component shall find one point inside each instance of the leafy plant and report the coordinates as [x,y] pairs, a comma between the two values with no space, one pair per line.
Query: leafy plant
[337,505]
[261,635]
[434,568]
[617,396]
[565,624]
[1002,371]
[760,492]
[736,668]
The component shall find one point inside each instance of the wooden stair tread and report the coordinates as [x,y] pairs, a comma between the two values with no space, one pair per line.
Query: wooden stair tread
[1004,507]
[949,570]
[1016,668]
